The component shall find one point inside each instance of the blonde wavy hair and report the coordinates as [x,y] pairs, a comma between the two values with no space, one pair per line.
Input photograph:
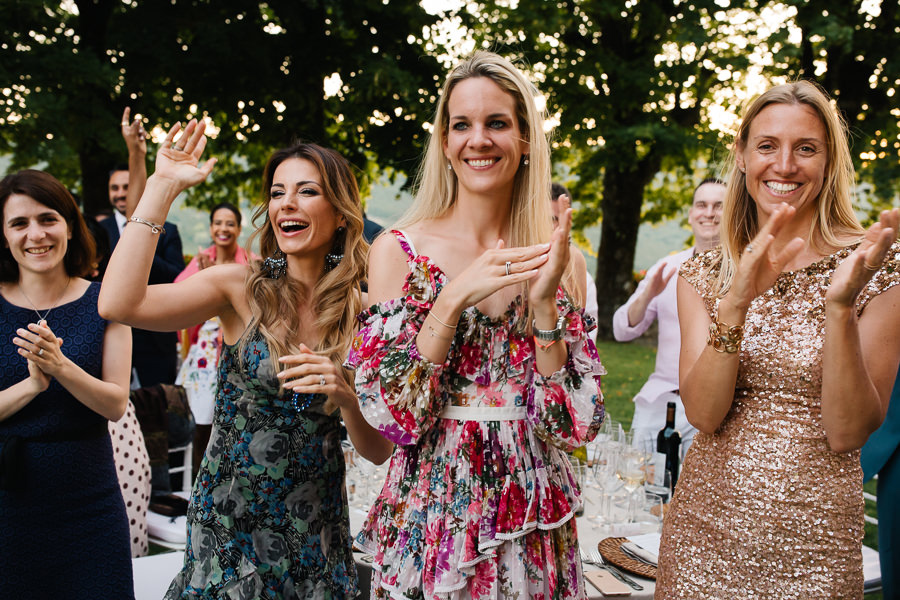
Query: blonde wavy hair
[834,222]
[435,187]
[336,299]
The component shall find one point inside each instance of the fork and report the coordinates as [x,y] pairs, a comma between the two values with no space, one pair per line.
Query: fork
[597,559]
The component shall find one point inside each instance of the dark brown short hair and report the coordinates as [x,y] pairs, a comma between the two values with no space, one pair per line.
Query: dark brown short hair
[47,190]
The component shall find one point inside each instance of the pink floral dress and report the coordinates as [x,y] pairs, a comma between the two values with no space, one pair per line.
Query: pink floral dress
[474,508]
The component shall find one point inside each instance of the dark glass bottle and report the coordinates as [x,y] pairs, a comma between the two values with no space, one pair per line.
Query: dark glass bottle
[668,442]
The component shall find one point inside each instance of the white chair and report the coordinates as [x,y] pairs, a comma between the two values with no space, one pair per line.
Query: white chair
[166,531]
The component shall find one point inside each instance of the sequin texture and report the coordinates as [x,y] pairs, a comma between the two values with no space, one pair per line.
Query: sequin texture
[764,508]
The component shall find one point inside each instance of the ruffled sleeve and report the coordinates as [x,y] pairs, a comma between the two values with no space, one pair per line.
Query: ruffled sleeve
[885,278]
[566,408]
[399,389]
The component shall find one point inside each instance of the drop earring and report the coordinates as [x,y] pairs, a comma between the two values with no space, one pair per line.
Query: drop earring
[336,255]
[275,266]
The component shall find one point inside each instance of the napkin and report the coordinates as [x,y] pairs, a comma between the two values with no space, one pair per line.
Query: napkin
[638,553]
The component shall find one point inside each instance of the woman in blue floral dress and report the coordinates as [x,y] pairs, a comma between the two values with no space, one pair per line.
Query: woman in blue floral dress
[268,514]
[475,360]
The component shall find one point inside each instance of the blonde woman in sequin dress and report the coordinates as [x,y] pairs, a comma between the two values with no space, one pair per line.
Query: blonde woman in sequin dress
[769,504]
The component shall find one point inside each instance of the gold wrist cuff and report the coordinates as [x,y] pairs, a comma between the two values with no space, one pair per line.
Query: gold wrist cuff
[725,338]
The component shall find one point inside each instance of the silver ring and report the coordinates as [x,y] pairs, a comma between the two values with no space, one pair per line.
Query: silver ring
[40,352]
[322,380]
[508,265]
[748,248]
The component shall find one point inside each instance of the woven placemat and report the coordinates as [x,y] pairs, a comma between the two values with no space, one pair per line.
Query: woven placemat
[610,549]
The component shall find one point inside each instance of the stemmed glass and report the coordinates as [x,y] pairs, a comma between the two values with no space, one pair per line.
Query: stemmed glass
[603,476]
[630,470]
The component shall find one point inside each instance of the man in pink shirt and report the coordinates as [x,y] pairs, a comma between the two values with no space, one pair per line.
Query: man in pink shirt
[655,298]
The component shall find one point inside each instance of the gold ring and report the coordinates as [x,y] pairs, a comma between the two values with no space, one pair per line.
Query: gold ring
[125,123]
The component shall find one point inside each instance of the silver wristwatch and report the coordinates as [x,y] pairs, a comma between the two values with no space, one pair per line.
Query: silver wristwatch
[549,335]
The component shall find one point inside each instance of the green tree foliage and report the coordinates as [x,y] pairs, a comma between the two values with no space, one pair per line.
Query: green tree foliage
[850,48]
[255,69]
[631,83]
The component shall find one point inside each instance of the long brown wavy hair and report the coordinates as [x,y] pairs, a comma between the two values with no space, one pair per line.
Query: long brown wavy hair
[336,297]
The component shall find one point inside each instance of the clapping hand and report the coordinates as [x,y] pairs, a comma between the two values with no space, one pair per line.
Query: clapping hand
[311,373]
[544,286]
[179,160]
[857,269]
[41,347]
[761,262]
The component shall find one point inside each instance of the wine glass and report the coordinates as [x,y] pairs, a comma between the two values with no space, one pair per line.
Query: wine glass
[630,470]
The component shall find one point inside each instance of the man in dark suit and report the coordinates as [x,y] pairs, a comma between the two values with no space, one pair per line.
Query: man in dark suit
[154,354]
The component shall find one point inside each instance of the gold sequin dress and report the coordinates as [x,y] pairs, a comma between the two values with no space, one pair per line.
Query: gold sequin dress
[764,508]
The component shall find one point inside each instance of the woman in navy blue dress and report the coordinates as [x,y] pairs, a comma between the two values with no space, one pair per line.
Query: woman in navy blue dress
[63,376]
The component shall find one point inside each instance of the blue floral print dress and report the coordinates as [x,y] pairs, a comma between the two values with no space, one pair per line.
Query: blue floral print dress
[474,508]
[268,515]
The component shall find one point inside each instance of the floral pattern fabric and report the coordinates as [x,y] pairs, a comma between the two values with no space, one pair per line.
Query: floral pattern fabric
[268,515]
[474,509]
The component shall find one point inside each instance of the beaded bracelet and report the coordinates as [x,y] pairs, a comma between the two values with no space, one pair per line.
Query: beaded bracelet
[725,338]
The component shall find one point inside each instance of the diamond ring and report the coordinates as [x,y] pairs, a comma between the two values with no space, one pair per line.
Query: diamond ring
[322,380]
[508,265]
[748,249]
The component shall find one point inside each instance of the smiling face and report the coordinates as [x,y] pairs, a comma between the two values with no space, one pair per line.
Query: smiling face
[304,221]
[118,190]
[224,228]
[37,236]
[483,142]
[705,215]
[784,159]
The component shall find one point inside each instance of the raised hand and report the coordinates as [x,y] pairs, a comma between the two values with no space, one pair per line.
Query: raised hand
[544,286]
[761,263]
[179,160]
[133,132]
[657,281]
[857,269]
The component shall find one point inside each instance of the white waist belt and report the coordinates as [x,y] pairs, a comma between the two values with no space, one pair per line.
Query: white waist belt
[484,413]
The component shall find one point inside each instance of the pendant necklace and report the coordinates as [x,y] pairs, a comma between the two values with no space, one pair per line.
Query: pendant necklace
[34,308]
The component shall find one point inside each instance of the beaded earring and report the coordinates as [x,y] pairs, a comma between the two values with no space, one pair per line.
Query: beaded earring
[334,257]
[275,266]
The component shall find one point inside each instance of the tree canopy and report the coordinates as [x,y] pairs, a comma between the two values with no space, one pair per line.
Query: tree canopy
[257,70]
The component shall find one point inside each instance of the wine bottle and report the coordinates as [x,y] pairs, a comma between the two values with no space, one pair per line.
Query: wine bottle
[668,442]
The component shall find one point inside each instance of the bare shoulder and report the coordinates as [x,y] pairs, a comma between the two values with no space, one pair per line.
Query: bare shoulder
[387,269]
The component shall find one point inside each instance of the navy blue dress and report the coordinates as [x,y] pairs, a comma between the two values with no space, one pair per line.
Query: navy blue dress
[63,528]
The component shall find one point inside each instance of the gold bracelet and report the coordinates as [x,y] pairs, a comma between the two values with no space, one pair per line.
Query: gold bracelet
[436,318]
[434,333]
[155,228]
[725,338]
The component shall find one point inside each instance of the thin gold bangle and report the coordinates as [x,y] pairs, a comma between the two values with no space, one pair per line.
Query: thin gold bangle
[436,318]
[434,333]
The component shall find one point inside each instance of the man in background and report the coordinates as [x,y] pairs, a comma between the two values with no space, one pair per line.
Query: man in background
[655,299]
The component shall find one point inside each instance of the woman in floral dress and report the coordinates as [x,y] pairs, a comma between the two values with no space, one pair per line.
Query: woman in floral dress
[268,514]
[475,360]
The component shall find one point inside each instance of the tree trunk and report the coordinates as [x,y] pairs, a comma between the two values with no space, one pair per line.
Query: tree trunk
[623,195]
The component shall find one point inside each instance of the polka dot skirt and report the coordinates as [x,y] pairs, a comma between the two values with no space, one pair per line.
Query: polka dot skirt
[133,469]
